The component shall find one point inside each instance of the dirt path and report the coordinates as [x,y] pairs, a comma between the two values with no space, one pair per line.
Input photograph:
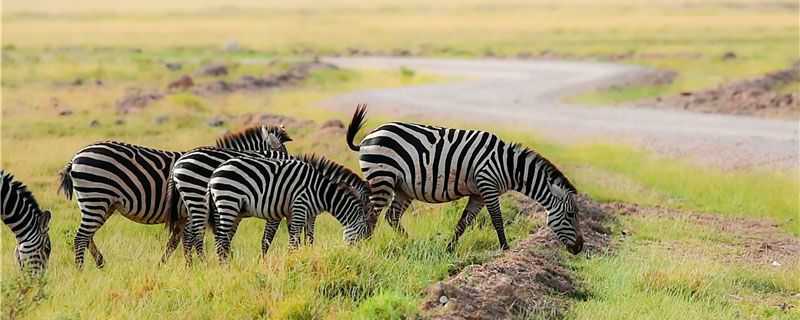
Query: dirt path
[528,93]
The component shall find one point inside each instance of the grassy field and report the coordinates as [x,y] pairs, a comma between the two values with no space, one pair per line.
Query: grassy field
[689,37]
[669,268]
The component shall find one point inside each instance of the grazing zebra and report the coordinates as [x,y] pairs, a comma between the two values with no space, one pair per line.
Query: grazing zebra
[28,222]
[190,179]
[193,171]
[273,189]
[435,165]
[134,180]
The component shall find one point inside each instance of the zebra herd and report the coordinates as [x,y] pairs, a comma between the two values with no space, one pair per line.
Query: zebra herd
[251,174]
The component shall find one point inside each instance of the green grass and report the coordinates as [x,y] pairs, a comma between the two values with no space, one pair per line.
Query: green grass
[740,193]
[673,269]
[618,95]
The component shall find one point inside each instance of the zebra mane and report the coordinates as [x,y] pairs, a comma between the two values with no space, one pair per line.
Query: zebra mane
[552,171]
[21,189]
[254,132]
[334,171]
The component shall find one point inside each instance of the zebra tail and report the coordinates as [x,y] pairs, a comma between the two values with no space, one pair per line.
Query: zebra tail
[212,211]
[65,183]
[173,222]
[355,125]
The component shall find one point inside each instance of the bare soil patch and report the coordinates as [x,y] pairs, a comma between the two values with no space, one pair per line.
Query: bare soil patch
[531,279]
[753,97]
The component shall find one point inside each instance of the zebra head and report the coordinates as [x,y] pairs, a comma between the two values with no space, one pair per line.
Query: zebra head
[358,220]
[258,138]
[36,259]
[562,215]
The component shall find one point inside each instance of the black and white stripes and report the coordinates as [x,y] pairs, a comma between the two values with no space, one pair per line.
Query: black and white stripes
[275,189]
[134,181]
[29,223]
[404,162]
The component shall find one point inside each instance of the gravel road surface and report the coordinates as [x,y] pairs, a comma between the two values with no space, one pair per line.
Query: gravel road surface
[528,94]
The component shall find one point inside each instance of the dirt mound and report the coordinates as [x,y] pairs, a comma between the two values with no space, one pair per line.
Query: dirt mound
[529,280]
[250,119]
[753,97]
[292,76]
[214,70]
[136,99]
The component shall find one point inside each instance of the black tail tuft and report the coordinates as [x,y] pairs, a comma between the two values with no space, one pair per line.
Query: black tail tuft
[174,222]
[212,211]
[65,185]
[355,125]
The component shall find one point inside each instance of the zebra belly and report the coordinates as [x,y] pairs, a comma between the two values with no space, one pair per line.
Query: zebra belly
[441,190]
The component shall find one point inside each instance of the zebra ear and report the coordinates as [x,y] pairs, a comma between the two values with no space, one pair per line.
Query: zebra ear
[558,191]
[273,142]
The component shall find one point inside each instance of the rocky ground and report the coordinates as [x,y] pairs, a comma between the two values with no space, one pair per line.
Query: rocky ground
[138,98]
[758,97]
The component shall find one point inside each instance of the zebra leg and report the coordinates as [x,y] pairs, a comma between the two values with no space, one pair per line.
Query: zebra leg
[470,211]
[196,233]
[396,210]
[269,234]
[99,261]
[188,243]
[92,219]
[296,224]
[310,223]
[172,244]
[492,199]
[227,216]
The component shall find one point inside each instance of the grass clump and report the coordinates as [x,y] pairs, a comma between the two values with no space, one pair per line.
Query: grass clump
[390,305]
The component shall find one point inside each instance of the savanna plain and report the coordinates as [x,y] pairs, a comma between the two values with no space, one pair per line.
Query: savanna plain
[66,67]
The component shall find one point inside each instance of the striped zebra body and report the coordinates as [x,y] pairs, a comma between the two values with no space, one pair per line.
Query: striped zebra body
[133,180]
[404,162]
[28,222]
[275,189]
[190,178]
[112,176]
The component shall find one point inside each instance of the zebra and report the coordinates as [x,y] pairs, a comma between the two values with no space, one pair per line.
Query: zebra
[134,180]
[296,189]
[29,223]
[405,161]
[193,171]
[190,180]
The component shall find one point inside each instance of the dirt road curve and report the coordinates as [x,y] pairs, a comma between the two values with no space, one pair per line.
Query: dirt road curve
[528,94]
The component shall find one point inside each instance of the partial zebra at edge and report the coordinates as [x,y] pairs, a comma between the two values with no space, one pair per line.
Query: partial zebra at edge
[29,223]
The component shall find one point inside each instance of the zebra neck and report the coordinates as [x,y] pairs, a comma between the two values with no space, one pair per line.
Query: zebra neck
[334,201]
